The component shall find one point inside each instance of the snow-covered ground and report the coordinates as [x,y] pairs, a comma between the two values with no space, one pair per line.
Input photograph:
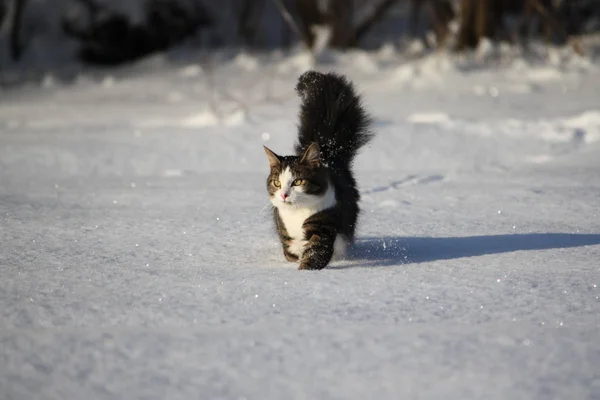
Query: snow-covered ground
[137,258]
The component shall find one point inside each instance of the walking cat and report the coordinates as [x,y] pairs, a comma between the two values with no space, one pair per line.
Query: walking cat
[313,193]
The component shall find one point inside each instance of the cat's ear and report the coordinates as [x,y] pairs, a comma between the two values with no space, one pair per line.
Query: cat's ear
[312,156]
[274,160]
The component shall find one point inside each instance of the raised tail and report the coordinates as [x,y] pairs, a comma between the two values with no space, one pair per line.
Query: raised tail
[332,116]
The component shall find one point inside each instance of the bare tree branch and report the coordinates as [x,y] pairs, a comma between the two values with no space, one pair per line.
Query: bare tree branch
[551,20]
[544,12]
[378,13]
[290,21]
[249,17]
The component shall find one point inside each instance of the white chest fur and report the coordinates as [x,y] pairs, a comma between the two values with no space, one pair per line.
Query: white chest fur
[301,208]
[293,218]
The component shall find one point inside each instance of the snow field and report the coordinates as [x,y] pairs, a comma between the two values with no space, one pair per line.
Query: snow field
[137,257]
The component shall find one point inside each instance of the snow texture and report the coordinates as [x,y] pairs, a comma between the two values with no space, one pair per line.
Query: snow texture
[138,260]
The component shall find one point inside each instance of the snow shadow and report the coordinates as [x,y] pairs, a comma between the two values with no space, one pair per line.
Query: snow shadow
[386,251]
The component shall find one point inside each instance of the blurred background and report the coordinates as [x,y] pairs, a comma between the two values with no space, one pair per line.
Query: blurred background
[53,33]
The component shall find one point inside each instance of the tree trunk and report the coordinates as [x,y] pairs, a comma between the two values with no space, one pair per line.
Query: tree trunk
[339,18]
[478,20]
[441,14]
[310,15]
[249,14]
[16,47]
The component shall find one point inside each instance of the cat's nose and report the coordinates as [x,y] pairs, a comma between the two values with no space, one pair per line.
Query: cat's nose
[284,196]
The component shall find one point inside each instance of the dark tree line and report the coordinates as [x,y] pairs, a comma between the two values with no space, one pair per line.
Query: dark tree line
[11,13]
[553,20]
[106,36]
[111,38]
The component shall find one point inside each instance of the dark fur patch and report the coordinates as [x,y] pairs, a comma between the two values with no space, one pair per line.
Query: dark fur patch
[320,231]
[331,115]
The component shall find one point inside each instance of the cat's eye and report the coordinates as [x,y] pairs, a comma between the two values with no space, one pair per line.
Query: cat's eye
[277,184]
[298,182]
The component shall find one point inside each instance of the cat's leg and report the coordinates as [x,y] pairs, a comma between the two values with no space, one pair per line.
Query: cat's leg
[318,253]
[340,246]
[284,238]
[320,233]
[289,256]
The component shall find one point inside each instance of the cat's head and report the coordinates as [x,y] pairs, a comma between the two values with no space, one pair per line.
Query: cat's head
[297,181]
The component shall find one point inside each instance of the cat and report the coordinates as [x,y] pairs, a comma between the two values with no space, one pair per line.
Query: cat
[313,193]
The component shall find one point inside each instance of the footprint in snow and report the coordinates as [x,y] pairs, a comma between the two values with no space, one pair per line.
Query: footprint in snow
[409,180]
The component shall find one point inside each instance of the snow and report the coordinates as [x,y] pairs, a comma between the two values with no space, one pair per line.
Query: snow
[138,258]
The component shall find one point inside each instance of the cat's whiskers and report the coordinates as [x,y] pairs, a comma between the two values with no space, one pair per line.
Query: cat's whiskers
[262,210]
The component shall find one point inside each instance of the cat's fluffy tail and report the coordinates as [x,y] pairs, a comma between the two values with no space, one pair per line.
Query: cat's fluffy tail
[332,116]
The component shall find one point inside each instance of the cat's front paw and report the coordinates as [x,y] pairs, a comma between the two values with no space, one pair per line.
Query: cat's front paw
[290,257]
[311,266]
